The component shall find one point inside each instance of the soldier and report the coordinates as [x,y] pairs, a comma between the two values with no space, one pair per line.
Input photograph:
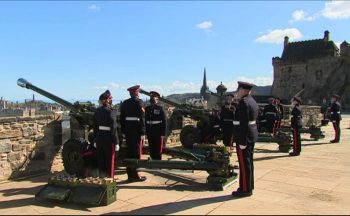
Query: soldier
[296,125]
[246,134]
[335,117]
[214,122]
[279,116]
[270,114]
[106,135]
[132,122]
[226,119]
[155,126]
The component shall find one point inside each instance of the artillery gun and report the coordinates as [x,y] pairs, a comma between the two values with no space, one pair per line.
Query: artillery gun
[189,134]
[79,154]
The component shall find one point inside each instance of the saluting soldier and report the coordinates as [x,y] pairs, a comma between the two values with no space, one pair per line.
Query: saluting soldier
[270,114]
[336,117]
[226,120]
[279,115]
[106,138]
[246,134]
[155,126]
[296,125]
[132,120]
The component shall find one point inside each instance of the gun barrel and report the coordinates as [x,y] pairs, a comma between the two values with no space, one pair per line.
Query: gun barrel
[25,84]
[163,100]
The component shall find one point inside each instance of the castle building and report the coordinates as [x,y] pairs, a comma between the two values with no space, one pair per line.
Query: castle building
[315,68]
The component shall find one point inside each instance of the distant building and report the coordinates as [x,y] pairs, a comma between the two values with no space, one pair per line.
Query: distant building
[204,90]
[4,104]
[318,67]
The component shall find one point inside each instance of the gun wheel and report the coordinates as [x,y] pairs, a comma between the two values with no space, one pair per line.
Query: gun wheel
[189,135]
[72,152]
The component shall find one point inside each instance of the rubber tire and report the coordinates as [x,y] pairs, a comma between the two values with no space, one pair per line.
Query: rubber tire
[72,152]
[189,135]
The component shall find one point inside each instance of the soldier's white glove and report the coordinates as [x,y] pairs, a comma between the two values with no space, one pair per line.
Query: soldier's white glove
[242,147]
[95,145]
[117,147]
[143,137]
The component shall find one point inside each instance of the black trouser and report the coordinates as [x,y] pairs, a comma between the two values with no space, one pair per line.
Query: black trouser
[296,140]
[270,124]
[133,151]
[336,126]
[105,154]
[155,143]
[227,135]
[246,167]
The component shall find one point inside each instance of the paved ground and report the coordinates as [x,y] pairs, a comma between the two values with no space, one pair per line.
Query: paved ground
[317,182]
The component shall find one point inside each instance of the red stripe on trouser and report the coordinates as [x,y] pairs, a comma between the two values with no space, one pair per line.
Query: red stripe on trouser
[161,147]
[294,140]
[335,130]
[140,147]
[112,162]
[241,164]
[274,128]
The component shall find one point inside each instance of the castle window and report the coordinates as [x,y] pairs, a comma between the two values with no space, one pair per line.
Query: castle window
[318,74]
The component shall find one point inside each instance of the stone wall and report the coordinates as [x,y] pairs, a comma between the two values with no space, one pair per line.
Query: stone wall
[311,115]
[29,145]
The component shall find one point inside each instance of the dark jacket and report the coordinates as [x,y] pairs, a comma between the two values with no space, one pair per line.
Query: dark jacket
[245,127]
[107,117]
[155,120]
[335,111]
[132,108]
[296,117]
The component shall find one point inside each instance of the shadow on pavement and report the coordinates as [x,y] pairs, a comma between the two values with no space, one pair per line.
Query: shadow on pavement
[174,207]
[181,183]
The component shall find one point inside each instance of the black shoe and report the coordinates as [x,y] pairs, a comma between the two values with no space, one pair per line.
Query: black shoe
[139,179]
[239,193]
[294,154]
[334,141]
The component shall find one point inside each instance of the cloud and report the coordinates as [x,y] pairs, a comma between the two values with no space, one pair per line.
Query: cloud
[94,8]
[338,44]
[110,86]
[300,15]
[336,10]
[206,25]
[259,81]
[277,36]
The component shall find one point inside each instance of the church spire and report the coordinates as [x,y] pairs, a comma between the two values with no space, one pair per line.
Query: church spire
[205,80]
[204,89]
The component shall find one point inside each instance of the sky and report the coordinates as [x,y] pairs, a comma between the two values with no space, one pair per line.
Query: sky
[78,49]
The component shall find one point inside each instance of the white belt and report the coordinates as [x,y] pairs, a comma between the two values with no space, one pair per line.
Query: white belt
[132,119]
[104,128]
[228,120]
[270,113]
[333,112]
[154,122]
[216,126]
[250,122]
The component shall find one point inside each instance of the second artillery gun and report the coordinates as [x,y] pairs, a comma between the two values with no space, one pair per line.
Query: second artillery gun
[190,134]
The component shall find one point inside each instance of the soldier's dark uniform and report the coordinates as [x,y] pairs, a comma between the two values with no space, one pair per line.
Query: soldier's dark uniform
[270,114]
[246,134]
[155,128]
[106,137]
[132,120]
[296,125]
[336,118]
[226,122]
[279,115]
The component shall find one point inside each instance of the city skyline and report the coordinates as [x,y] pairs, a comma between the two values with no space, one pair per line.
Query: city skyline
[77,49]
